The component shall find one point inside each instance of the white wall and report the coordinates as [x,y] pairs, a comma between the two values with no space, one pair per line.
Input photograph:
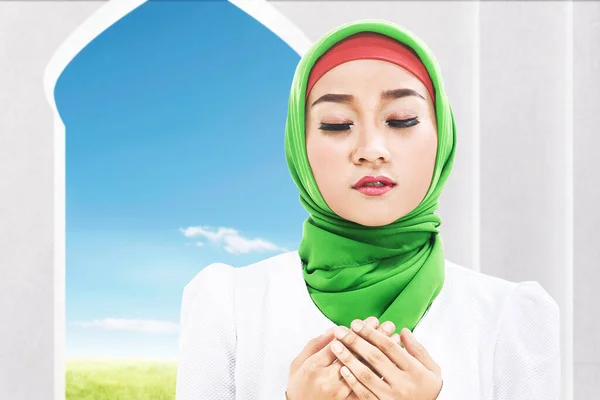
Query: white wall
[586,127]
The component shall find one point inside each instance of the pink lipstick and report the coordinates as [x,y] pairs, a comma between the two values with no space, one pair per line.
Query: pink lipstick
[374,185]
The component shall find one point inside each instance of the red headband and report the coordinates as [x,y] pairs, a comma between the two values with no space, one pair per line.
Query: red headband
[369,45]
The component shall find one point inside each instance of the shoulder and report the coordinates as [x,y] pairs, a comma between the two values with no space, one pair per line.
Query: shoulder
[219,277]
[209,293]
[519,325]
[510,328]
[494,301]
[277,267]
[221,291]
[466,283]
[213,278]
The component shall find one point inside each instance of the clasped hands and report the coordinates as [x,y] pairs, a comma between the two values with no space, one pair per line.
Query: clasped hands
[364,363]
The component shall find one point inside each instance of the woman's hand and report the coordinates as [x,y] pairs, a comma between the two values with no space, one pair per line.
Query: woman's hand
[315,372]
[408,373]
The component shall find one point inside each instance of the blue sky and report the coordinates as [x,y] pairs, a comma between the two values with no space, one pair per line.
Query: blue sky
[174,121]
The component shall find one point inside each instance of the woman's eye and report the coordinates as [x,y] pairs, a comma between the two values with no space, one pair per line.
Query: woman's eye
[335,127]
[402,123]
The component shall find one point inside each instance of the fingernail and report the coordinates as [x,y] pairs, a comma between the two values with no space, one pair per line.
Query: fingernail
[388,327]
[357,325]
[373,321]
[336,347]
[396,338]
[340,331]
[345,371]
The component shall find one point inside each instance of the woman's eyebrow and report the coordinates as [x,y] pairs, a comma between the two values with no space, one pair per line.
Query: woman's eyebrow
[334,98]
[385,95]
[399,93]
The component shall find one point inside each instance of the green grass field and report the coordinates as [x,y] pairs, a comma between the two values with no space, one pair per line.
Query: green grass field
[93,379]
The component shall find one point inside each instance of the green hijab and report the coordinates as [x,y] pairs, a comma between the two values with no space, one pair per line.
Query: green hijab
[392,272]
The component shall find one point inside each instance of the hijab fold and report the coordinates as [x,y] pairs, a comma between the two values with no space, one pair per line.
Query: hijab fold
[392,272]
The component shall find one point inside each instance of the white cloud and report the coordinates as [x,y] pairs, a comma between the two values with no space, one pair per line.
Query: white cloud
[230,239]
[194,231]
[240,245]
[132,325]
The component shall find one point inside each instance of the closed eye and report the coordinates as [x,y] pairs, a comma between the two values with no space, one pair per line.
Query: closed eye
[402,123]
[335,127]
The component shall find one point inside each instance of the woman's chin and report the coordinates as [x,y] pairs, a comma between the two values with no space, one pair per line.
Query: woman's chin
[373,220]
[370,214]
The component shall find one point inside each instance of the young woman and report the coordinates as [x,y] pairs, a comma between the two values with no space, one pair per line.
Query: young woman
[370,142]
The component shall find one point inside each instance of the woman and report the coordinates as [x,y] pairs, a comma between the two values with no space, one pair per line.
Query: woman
[370,142]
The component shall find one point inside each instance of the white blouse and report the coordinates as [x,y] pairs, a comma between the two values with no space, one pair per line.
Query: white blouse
[242,327]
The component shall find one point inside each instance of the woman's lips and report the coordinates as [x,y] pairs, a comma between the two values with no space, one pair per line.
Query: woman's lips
[374,185]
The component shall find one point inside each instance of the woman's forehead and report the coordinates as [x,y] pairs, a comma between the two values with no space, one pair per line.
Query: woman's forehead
[361,76]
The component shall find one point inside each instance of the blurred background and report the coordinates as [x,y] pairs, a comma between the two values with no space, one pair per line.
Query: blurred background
[174,120]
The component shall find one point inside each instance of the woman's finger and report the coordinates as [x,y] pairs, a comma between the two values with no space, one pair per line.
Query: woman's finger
[335,365]
[417,350]
[390,348]
[312,348]
[386,327]
[372,321]
[359,370]
[372,355]
[359,390]
[324,357]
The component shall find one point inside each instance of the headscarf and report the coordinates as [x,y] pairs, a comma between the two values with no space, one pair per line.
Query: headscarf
[393,272]
[369,46]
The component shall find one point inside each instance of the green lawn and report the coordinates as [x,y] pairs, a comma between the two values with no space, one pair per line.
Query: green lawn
[96,379]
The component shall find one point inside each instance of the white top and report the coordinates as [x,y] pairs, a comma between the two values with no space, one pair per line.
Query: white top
[242,327]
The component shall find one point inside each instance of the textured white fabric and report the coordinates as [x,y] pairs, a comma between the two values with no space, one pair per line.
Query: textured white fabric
[242,327]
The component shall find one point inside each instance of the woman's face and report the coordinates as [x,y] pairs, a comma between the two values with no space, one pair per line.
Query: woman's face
[374,120]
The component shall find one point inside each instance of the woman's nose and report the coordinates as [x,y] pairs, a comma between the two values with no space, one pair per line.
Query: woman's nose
[371,148]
